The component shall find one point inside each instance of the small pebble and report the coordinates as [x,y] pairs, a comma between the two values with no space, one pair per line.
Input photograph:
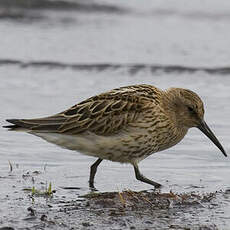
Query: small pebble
[86,224]
[32,211]
[148,222]
[43,218]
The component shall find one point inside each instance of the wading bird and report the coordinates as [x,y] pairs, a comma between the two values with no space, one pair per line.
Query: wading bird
[125,125]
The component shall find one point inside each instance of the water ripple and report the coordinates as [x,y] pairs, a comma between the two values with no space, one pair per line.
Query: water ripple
[130,68]
[80,5]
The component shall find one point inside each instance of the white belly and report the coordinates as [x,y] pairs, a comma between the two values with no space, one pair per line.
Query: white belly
[104,147]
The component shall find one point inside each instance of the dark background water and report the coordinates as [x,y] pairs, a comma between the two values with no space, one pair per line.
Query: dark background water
[54,54]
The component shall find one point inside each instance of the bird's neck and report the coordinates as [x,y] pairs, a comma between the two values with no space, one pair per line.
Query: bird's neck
[171,105]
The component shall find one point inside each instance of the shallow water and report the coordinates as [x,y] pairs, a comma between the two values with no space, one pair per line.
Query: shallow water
[62,57]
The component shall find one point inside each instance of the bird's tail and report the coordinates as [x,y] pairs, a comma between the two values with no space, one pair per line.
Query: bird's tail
[47,124]
[16,124]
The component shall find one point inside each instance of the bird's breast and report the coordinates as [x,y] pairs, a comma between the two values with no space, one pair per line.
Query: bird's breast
[155,132]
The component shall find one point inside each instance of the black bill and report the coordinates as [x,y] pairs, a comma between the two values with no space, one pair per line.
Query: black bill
[208,132]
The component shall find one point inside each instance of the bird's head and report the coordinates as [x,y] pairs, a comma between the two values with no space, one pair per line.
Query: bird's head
[188,111]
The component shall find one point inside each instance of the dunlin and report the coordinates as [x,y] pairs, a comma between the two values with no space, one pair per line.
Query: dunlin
[125,125]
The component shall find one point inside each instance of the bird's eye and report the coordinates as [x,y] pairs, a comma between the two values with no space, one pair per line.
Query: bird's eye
[190,109]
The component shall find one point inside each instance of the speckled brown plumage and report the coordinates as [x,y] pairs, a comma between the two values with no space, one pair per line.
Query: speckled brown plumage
[124,125]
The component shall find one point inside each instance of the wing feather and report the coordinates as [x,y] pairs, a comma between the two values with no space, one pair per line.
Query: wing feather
[104,117]
[104,114]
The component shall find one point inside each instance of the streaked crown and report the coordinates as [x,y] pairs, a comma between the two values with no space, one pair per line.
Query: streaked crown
[187,107]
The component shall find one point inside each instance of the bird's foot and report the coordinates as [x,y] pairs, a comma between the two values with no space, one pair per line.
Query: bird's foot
[92,188]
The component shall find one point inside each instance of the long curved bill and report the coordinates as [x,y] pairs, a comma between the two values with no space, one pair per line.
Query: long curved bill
[203,127]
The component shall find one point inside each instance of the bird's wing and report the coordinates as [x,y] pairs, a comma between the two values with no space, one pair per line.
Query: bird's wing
[104,114]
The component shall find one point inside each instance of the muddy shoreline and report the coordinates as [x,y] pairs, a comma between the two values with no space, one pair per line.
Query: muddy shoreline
[42,207]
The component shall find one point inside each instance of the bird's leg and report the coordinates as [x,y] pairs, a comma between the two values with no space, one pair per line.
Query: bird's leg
[140,177]
[93,170]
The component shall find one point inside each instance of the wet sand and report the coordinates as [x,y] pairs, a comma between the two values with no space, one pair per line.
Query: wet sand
[39,206]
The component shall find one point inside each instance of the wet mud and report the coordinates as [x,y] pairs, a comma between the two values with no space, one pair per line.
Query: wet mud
[34,204]
[125,210]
